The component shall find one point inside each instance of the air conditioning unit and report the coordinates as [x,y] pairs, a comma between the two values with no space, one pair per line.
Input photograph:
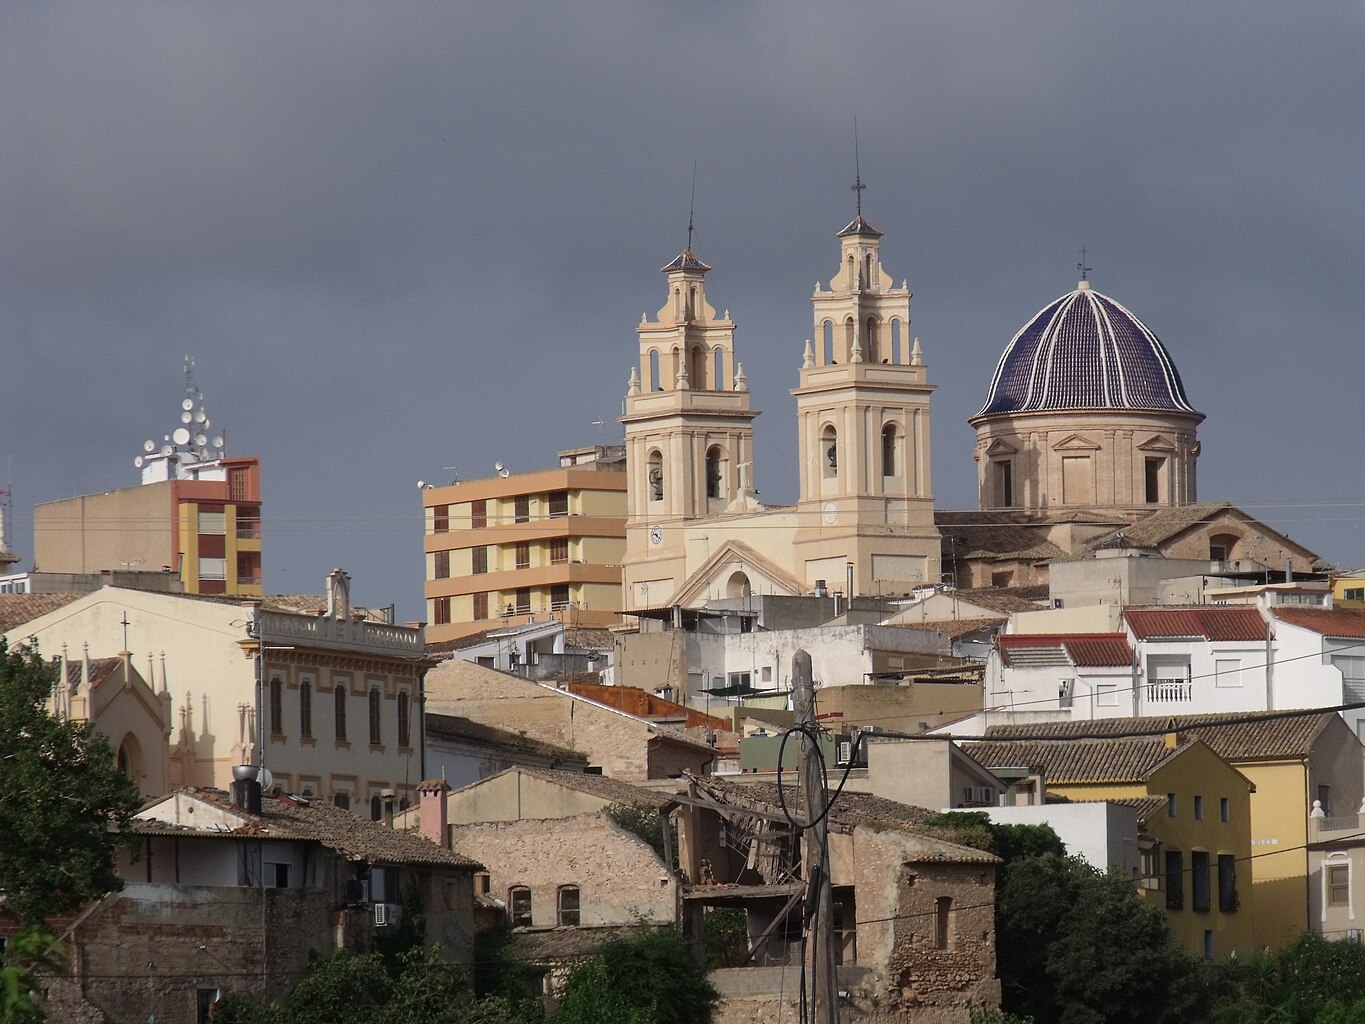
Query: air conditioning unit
[358,891]
[845,751]
[381,915]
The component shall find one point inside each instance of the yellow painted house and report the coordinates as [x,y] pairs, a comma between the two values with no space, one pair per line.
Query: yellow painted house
[1194,815]
[1292,758]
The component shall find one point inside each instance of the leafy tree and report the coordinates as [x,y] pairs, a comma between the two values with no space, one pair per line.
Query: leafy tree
[62,798]
[725,937]
[344,988]
[32,950]
[646,823]
[649,978]
[432,990]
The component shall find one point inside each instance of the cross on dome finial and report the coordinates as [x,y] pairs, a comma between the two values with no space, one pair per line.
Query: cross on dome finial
[857,185]
[1085,270]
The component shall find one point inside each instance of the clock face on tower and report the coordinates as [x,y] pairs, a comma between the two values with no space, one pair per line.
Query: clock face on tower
[831,513]
[656,534]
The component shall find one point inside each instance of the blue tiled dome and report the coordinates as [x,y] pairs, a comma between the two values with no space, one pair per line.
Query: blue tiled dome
[1085,351]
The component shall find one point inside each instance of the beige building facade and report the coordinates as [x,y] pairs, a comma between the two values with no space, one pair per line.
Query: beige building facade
[863,521]
[527,546]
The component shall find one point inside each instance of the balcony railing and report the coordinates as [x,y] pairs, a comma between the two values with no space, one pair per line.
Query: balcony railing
[1169,691]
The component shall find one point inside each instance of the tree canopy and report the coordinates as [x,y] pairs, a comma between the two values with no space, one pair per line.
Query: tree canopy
[62,798]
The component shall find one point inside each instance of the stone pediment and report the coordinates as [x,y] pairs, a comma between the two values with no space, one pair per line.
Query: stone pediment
[1000,448]
[1075,443]
[1157,443]
[713,577]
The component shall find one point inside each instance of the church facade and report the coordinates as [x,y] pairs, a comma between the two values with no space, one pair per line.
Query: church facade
[863,522]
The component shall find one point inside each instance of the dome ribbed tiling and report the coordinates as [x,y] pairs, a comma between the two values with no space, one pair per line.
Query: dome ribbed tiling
[1085,351]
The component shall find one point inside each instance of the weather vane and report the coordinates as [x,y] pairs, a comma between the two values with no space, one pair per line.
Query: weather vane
[1085,270]
[691,205]
[857,185]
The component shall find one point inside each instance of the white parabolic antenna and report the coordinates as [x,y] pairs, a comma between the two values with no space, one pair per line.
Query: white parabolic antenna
[149,446]
[200,440]
[187,404]
[267,780]
[138,462]
[199,416]
[166,449]
[185,417]
[181,436]
[217,442]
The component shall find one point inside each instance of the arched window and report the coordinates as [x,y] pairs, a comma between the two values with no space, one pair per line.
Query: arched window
[342,799]
[827,343]
[852,272]
[339,709]
[677,367]
[404,730]
[130,758]
[715,472]
[898,352]
[519,906]
[738,586]
[696,370]
[718,369]
[654,383]
[568,906]
[276,707]
[655,475]
[850,329]
[376,723]
[871,341]
[890,442]
[306,709]
[376,808]
[829,452]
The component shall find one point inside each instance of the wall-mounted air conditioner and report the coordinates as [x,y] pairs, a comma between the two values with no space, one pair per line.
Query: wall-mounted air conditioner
[845,751]
[381,915]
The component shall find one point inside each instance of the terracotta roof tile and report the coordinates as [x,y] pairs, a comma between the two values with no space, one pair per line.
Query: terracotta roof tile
[602,786]
[1235,736]
[1077,761]
[1084,650]
[1342,622]
[1007,600]
[455,727]
[994,534]
[19,609]
[953,628]
[1207,622]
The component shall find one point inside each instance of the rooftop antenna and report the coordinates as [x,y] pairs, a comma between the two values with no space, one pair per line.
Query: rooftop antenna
[692,204]
[857,185]
[1085,271]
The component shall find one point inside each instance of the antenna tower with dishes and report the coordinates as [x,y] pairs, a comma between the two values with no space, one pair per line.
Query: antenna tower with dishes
[192,441]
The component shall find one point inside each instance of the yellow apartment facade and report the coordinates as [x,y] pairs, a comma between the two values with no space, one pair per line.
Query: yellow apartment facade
[524,546]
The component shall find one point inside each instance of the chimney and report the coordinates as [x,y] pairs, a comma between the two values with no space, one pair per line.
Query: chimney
[432,808]
[246,791]
[387,797]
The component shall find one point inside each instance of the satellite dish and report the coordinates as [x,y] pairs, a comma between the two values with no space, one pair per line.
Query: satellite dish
[149,446]
[138,462]
[200,417]
[217,442]
[498,466]
[267,780]
[166,449]
[206,423]
[185,417]
[187,404]
[504,472]
[181,436]
[421,485]
[200,440]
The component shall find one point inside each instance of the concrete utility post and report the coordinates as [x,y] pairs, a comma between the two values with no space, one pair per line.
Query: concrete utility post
[819,909]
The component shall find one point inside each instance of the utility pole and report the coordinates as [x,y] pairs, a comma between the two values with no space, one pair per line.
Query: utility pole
[819,909]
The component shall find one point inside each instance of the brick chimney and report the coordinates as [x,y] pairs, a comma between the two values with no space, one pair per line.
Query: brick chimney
[432,809]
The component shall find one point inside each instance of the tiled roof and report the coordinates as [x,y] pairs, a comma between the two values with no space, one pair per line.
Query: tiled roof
[993,534]
[1207,622]
[1342,622]
[1084,650]
[601,786]
[859,226]
[849,811]
[542,944]
[18,609]
[1085,351]
[684,261]
[1233,736]
[1145,806]
[455,727]
[954,628]
[583,638]
[295,819]
[1007,600]
[1077,761]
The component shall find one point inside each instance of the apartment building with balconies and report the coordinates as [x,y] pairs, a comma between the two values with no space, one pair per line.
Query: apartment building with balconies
[518,547]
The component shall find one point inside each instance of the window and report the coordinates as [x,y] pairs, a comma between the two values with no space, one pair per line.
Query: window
[1208,944]
[1066,690]
[519,906]
[568,906]
[1338,885]
[655,475]
[213,568]
[740,679]
[1152,480]
[376,812]
[478,514]
[889,450]
[1325,798]
[559,550]
[715,474]
[559,597]
[342,800]
[276,876]
[523,551]
[440,565]
[1353,594]
[404,728]
[521,508]
[559,504]
[1150,872]
[339,707]
[1199,880]
[1170,805]
[1227,883]
[306,709]
[1002,579]
[943,923]
[1224,809]
[440,611]
[481,606]
[523,600]
[276,707]
[1198,808]
[440,519]
[375,733]
[1004,484]
[206,1004]
[479,560]
[213,523]
[829,453]
[1175,880]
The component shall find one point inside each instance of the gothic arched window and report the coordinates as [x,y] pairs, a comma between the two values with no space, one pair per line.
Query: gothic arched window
[890,444]
[655,475]
[829,452]
[715,472]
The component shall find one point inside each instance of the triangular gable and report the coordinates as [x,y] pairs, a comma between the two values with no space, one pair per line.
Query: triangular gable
[1157,443]
[1245,519]
[1075,443]
[1000,447]
[765,576]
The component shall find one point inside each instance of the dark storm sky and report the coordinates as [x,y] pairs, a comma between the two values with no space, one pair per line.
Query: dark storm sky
[403,237]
